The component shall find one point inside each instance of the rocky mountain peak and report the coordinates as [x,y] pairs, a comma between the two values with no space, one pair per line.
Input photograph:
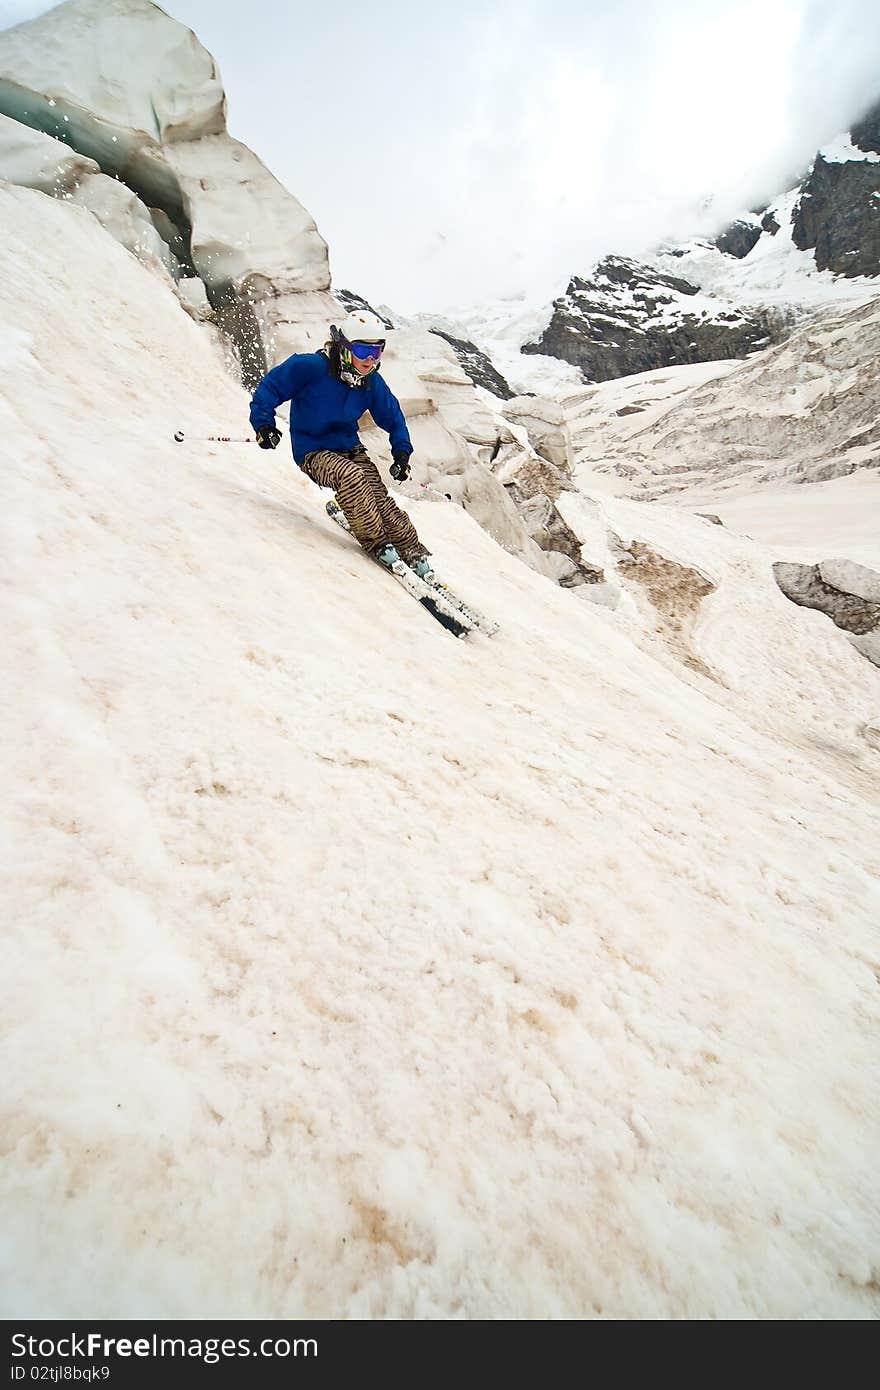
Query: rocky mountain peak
[631,316]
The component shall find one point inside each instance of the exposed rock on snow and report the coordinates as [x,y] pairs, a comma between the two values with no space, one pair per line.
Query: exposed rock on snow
[866,132]
[847,592]
[535,469]
[838,215]
[526,474]
[349,300]
[548,529]
[804,585]
[769,223]
[740,237]
[477,365]
[630,317]
[535,480]
[484,498]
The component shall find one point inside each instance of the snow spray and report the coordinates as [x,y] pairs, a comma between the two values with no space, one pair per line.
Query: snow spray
[213,438]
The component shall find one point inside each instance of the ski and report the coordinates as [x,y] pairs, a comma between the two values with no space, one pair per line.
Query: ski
[433,594]
[444,612]
[476,620]
[445,615]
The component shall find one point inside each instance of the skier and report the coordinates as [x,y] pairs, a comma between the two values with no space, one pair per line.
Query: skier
[329,392]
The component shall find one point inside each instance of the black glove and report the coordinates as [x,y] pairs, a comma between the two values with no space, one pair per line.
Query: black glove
[400,469]
[268,437]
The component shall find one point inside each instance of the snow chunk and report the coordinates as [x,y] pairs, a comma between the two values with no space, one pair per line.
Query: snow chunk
[246,228]
[124,216]
[34,160]
[76,54]
[194,296]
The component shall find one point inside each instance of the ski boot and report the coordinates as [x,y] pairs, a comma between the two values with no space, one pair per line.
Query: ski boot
[387,555]
[422,567]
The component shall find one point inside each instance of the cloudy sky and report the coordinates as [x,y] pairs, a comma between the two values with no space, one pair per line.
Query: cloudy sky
[458,152]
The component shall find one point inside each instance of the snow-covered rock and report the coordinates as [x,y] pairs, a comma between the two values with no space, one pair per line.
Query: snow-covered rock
[807,243]
[248,231]
[472,359]
[807,586]
[131,70]
[162,132]
[628,317]
[497,330]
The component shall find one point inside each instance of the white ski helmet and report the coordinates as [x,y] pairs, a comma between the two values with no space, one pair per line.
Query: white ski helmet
[360,326]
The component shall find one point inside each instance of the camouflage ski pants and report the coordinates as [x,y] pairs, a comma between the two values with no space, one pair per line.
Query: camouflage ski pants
[370,511]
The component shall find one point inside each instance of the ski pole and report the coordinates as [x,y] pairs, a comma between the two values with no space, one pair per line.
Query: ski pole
[213,438]
[427,487]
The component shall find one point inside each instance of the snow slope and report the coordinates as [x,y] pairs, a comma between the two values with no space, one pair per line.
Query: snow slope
[356,972]
[804,412]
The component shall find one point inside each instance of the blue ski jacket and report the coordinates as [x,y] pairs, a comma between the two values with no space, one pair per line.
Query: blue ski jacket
[324,412]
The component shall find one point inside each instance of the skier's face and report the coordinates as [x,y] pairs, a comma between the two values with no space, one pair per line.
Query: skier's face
[363,366]
[362,357]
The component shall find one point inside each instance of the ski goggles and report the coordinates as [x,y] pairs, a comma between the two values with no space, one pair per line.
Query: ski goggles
[365,351]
